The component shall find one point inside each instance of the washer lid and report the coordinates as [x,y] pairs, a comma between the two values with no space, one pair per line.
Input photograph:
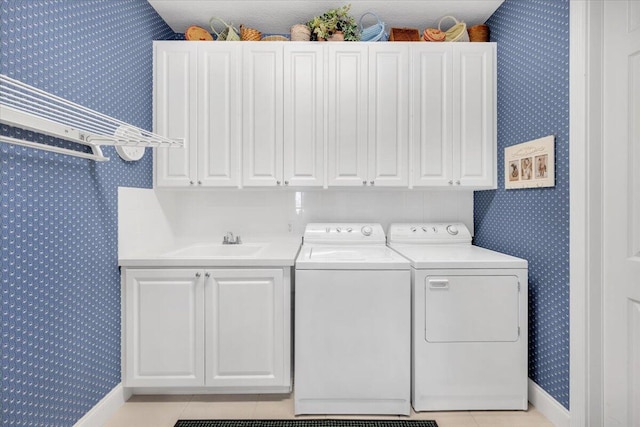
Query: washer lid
[456,256]
[349,257]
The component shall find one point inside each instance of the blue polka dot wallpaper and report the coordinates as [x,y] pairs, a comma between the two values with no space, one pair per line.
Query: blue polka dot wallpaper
[533,101]
[60,286]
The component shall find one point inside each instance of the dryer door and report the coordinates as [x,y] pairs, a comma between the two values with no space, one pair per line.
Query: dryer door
[476,308]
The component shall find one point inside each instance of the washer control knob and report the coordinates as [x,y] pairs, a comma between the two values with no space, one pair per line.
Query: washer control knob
[424,229]
[414,229]
[349,229]
[338,229]
[452,229]
[367,230]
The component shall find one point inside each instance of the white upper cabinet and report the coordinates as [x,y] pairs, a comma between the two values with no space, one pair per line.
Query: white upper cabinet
[262,114]
[454,115]
[474,115]
[368,114]
[388,114]
[347,115]
[304,114]
[432,150]
[219,123]
[326,114]
[175,114]
[197,88]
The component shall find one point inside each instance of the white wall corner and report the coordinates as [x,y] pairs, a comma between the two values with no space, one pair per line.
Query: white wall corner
[548,406]
[105,408]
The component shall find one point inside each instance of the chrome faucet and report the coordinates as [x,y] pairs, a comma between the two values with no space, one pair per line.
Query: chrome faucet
[230,240]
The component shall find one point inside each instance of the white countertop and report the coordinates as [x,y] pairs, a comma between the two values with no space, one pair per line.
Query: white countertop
[259,252]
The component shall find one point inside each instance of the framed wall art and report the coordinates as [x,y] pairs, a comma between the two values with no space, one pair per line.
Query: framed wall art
[530,164]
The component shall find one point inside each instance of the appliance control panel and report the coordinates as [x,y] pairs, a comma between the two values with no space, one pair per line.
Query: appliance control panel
[347,233]
[426,233]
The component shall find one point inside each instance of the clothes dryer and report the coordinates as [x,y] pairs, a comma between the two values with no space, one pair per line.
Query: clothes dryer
[469,321]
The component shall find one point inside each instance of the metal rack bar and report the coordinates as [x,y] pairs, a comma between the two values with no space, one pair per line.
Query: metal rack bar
[59,150]
[27,107]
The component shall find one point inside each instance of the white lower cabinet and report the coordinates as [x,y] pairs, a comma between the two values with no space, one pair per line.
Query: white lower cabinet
[210,330]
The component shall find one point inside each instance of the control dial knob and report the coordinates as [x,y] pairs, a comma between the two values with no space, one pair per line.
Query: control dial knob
[452,229]
[367,230]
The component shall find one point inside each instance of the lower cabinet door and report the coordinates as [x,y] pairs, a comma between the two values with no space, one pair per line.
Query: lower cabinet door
[164,328]
[245,324]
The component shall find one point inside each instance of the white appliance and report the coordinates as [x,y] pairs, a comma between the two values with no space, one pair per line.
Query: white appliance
[469,325]
[352,323]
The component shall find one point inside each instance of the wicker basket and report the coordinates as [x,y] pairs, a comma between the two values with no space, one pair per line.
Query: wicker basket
[197,33]
[373,33]
[457,32]
[404,35]
[300,33]
[479,33]
[229,33]
[249,34]
[275,38]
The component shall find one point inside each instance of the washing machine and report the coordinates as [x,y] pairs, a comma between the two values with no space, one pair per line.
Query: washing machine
[352,338]
[469,320]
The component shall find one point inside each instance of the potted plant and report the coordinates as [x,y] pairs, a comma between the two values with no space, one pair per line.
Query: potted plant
[334,24]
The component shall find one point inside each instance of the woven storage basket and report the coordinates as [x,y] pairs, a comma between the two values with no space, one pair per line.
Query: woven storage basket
[249,34]
[275,38]
[479,33]
[457,32]
[404,35]
[197,33]
[300,33]
[373,33]
[229,33]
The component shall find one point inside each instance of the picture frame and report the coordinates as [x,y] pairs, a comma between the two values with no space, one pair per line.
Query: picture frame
[530,164]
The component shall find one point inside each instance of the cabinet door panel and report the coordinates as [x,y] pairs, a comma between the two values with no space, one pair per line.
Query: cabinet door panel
[474,115]
[388,114]
[245,328]
[175,112]
[262,114]
[432,107]
[218,114]
[164,320]
[347,115]
[303,115]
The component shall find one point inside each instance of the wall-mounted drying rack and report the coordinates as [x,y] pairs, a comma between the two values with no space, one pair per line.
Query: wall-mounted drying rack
[30,108]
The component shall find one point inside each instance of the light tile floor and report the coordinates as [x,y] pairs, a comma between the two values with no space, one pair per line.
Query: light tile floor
[164,411]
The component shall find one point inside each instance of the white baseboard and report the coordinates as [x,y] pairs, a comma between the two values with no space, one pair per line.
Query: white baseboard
[109,405]
[548,406]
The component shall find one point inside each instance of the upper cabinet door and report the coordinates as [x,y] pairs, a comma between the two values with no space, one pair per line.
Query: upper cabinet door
[219,98]
[262,133]
[304,114]
[474,116]
[347,114]
[175,82]
[431,97]
[388,114]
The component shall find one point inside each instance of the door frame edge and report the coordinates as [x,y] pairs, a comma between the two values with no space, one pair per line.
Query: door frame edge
[585,165]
